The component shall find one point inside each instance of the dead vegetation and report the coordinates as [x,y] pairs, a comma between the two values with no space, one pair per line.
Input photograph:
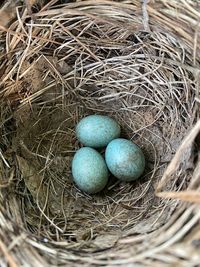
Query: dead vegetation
[138,63]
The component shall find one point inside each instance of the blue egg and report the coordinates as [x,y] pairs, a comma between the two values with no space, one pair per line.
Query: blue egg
[89,170]
[124,159]
[97,130]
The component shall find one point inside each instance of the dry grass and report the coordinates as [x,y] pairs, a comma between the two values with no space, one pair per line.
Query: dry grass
[138,63]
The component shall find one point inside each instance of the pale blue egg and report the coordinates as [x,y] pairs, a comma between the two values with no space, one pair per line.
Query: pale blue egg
[89,170]
[97,130]
[124,159]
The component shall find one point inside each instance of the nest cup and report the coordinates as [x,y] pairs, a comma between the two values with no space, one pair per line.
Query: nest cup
[137,63]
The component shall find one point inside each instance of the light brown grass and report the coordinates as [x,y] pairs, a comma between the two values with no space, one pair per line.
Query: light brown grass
[136,62]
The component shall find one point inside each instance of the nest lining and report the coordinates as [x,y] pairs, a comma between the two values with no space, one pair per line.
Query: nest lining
[93,61]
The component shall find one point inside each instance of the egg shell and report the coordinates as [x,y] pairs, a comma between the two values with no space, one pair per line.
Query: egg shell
[124,159]
[89,170]
[97,130]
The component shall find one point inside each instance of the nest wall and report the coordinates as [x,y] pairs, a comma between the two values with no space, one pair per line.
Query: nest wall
[136,62]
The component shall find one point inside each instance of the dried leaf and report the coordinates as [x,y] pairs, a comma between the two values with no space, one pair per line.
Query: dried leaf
[58,201]
[149,224]
[33,181]
[189,196]
[184,150]
[106,241]
[32,2]
[7,13]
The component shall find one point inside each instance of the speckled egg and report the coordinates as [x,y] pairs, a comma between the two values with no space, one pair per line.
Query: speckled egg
[97,130]
[124,159]
[89,170]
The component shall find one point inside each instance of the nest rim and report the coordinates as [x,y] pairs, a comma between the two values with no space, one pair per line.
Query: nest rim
[90,100]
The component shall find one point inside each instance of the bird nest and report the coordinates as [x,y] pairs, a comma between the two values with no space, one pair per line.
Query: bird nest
[139,64]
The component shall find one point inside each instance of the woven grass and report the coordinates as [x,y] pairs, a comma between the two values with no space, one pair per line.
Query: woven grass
[136,62]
